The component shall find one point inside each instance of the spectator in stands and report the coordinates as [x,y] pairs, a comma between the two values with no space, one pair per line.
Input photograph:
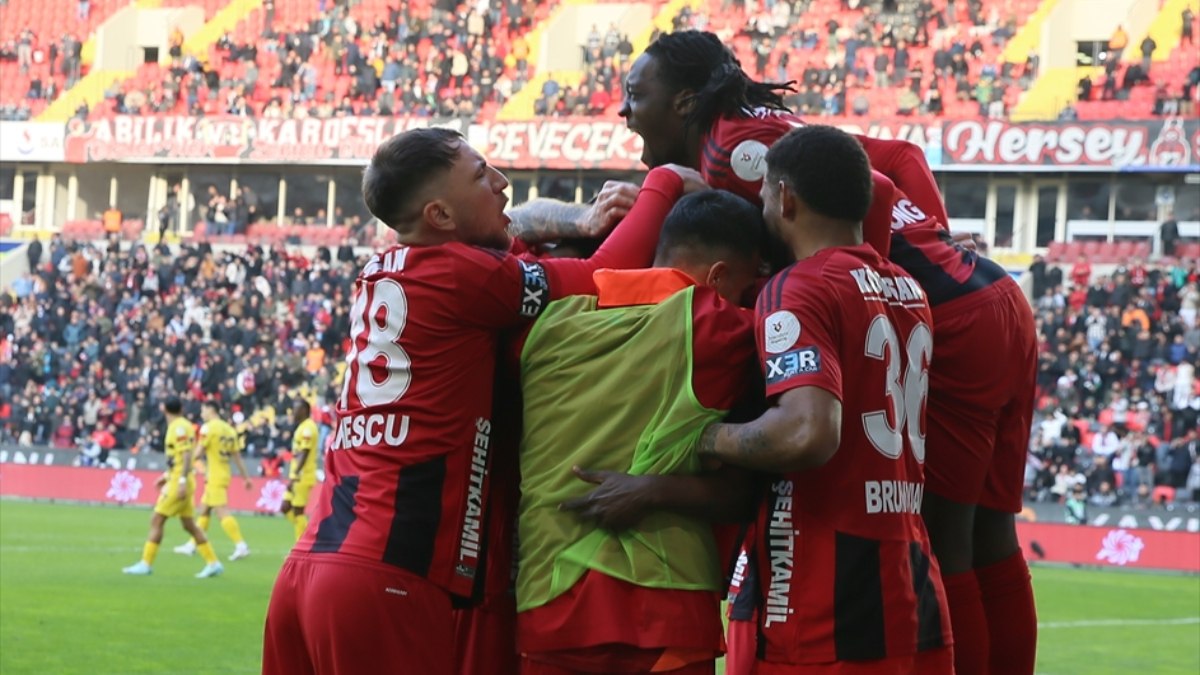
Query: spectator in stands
[1116,44]
[1168,234]
[1148,46]
[1083,90]
[1187,25]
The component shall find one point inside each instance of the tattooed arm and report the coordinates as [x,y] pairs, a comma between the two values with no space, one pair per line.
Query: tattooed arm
[542,220]
[802,431]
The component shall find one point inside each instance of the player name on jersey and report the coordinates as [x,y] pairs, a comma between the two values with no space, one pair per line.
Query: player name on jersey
[469,542]
[894,496]
[355,431]
[781,545]
[896,290]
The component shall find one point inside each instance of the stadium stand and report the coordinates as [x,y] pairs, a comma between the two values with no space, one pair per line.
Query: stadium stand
[102,331]
[1118,395]
[287,58]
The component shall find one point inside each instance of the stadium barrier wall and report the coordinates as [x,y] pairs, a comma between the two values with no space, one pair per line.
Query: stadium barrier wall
[1138,548]
[1111,547]
[125,486]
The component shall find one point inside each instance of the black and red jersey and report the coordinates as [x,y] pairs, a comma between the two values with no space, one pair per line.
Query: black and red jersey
[845,568]
[924,248]
[733,158]
[409,461]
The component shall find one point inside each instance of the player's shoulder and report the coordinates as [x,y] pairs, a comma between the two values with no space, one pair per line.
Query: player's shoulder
[740,143]
[760,124]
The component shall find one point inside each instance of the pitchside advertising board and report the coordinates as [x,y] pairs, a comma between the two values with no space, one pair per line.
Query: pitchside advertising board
[1154,538]
[570,143]
[125,479]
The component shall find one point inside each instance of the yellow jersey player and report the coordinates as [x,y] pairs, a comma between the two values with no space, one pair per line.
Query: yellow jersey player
[302,475]
[177,486]
[220,444]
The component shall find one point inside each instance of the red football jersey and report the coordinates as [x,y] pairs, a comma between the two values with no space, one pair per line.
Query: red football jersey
[922,246]
[733,158]
[408,466]
[845,566]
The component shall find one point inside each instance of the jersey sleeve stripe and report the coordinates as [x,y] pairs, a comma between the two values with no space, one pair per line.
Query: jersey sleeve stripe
[717,155]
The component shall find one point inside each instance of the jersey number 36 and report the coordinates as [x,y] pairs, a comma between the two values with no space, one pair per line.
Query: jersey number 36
[906,396]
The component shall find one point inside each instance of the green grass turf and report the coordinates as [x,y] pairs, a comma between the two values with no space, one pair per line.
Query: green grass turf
[66,608]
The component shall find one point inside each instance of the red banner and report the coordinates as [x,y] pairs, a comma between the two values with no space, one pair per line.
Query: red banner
[560,143]
[569,143]
[229,139]
[127,487]
[1111,546]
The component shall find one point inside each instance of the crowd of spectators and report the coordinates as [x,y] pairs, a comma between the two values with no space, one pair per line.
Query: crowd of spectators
[417,60]
[846,57]
[99,335]
[1118,416]
[835,66]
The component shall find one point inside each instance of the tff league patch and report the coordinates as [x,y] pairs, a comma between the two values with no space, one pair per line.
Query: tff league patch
[780,331]
[796,362]
[535,290]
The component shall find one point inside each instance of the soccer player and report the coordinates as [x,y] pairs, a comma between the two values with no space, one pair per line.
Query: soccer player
[847,582]
[399,534]
[644,600]
[219,441]
[177,486]
[302,472]
[692,103]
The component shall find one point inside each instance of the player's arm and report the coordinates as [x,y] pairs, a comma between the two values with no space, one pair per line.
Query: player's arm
[621,500]
[185,458]
[905,164]
[801,431]
[236,457]
[877,226]
[510,290]
[542,220]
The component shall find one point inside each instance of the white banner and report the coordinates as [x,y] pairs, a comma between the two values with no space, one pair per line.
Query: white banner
[31,141]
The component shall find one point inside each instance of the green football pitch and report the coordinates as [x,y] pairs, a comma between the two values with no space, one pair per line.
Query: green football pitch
[66,608]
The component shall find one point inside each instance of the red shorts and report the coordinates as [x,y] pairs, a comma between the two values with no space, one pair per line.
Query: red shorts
[982,384]
[935,662]
[336,615]
[485,638]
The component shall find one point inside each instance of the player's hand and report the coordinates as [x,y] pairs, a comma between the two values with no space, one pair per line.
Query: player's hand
[181,491]
[158,484]
[692,180]
[249,484]
[612,204]
[964,239]
[619,501]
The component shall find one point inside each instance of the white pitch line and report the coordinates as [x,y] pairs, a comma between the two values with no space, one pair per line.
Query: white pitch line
[1182,621]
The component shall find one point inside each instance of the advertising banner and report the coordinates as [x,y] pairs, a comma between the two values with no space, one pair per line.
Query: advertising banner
[1184,518]
[569,143]
[233,140]
[31,142]
[1111,546]
[125,486]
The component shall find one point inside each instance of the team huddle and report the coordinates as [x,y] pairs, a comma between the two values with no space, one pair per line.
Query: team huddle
[777,372]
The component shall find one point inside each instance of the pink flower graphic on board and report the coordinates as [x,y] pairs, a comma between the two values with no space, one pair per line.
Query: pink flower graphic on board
[271,496]
[124,487]
[1120,547]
